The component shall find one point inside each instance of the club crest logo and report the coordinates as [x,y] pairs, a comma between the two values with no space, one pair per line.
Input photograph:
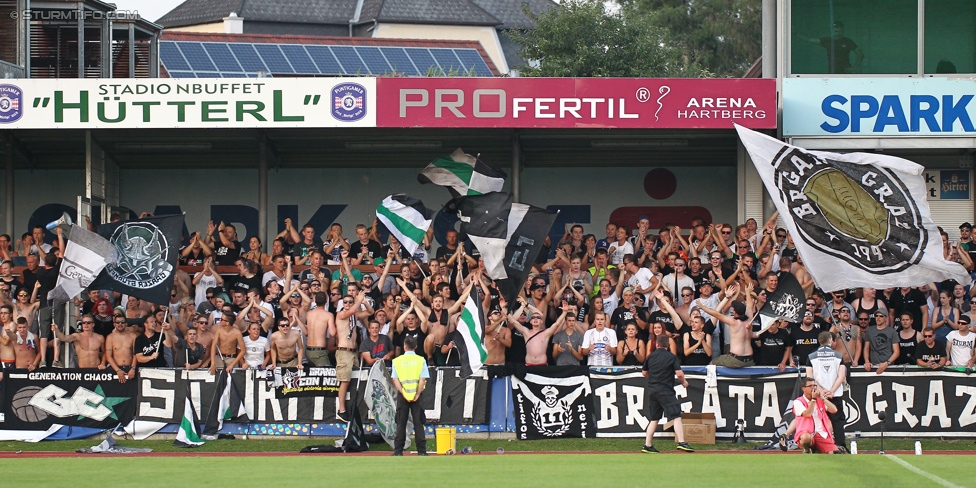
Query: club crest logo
[862,214]
[11,101]
[349,102]
[143,255]
[787,307]
[552,416]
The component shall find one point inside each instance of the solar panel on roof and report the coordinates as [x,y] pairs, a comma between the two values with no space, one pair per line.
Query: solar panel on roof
[171,57]
[235,60]
[399,61]
[197,57]
[181,74]
[222,57]
[324,59]
[374,59]
[350,60]
[423,60]
[272,56]
[299,59]
[248,57]
[471,58]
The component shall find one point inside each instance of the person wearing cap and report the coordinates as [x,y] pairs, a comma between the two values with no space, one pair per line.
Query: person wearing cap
[880,344]
[959,345]
[740,328]
[966,240]
[839,49]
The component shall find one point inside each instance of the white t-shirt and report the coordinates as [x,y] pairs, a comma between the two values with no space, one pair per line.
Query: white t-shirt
[619,250]
[599,341]
[254,351]
[710,302]
[642,279]
[668,283]
[205,282]
[611,302]
[962,347]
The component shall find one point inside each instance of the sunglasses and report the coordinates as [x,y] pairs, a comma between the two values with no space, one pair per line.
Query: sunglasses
[844,310]
[928,336]
[781,236]
[296,296]
[316,284]
[687,295]
[88,321]
[864,318]
[727,232]
[201,321]
[334,294]
[284,325]
[119,321]
[536,317]
[209,296]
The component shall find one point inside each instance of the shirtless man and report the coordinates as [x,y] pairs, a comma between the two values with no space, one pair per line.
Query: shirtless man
[8,359]
[89,346]
[536,339]
[228,348]
[740,328]
[286,346]
[25,346]
[321,332]
[346,352]
[118,350]
[497,337]
[437,317]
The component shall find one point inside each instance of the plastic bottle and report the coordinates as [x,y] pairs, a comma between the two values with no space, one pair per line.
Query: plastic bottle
[918,447]
[854,446]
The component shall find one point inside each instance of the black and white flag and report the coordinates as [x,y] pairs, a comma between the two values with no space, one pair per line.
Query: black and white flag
[508,235]
[148,251]
[553,401]
[858,219]
[786,302]
[85,256]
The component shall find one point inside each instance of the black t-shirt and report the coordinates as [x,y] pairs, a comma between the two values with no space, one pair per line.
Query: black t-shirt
[184,354]
[804,343]
[910,303]
[103,325]
[28,278]
[926,353]
[906,350]
[773,346]
[372,248]
[516,352]
[15,285]
[661,366]
[48,278]
[223,255]
[417,334]
[147,347]
[195,258]
[699,356]
[302,250]
[247,284]
[621,315]
[665,318]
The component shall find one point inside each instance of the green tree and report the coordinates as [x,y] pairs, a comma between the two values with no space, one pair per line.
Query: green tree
[721,36]
[584,38]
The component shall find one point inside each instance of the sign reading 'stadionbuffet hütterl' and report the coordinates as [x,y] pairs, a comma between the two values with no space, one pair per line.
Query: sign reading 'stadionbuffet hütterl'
[889,107]
[187,103]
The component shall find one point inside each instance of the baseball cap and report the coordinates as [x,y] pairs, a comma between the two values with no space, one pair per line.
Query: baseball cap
[379,261]
[536,286]
[881,311]
[703,283]
[964,319]
[740,310]
[966,225]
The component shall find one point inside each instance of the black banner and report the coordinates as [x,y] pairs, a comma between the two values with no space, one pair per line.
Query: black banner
[916,402]
[448,398]
[148,252]
[76,397]
[310,382]
[553,401]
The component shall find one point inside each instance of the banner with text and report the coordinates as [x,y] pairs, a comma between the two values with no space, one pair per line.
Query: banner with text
[552,402]
[639,103]
[187,103]
[77,397]
[448,398]
[917,403]
[292,382]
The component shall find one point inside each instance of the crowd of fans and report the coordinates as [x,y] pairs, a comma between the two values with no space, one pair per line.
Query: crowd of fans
[597,301]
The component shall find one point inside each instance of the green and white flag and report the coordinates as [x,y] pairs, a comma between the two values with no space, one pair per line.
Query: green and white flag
[463,174]
[229,407]
[471,347]
[189,434]
[406,218]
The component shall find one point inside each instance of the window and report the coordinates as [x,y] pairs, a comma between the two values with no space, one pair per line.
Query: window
[855,36]
[950,37]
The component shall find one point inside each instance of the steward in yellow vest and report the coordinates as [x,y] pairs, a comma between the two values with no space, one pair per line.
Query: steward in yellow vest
[409,377]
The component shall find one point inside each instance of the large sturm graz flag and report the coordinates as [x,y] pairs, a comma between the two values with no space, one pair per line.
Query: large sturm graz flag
[858,220]
[471,328]
[463,174]
[406,218]
[148,251]
[508,235]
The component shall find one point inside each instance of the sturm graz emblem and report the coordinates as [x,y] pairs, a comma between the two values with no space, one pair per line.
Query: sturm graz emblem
[143,255]
[863,214]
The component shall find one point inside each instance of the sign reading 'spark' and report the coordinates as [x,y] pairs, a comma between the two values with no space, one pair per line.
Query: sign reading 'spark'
[188,103]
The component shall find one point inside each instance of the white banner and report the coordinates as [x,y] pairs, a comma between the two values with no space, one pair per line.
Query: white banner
[857,219]
[187,103]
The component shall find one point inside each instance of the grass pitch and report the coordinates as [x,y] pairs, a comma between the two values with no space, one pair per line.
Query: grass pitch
[489,470]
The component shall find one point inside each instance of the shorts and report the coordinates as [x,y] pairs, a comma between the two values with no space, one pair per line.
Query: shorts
[221,362]
[820,444]
[663,403]
[344,361]
[733,361]
[317,356]
[8,364]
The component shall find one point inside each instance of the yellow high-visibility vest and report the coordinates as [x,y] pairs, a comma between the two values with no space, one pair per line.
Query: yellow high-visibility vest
[408,368]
